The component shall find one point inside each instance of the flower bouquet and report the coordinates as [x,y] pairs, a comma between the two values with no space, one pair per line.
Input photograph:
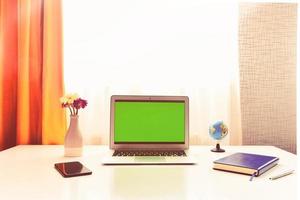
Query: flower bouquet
[73,102]
[73,139]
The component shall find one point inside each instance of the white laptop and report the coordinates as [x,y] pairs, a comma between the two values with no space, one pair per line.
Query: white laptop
[149,130]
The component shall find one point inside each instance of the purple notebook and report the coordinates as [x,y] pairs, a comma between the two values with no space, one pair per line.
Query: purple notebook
[234,162]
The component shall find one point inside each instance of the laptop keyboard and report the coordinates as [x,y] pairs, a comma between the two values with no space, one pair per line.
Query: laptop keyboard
[149,153]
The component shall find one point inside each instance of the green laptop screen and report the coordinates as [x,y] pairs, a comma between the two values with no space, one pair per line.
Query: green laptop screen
[149,122]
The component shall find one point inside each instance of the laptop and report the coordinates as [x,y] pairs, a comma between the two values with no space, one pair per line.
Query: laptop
[149,130]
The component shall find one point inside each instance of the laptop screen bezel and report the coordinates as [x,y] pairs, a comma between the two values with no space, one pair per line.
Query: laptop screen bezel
[149,145]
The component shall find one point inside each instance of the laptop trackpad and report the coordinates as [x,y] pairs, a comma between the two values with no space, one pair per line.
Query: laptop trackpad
[149,159]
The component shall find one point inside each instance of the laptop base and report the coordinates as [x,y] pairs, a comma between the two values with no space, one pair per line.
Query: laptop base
[148,160]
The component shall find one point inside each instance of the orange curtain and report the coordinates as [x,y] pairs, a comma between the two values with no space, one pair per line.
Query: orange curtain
[31,74]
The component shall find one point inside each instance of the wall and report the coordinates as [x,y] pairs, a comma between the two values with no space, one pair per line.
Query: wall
[157,47]
[267,56]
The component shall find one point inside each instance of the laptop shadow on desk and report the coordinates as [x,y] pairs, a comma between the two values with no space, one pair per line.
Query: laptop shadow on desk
[148,182]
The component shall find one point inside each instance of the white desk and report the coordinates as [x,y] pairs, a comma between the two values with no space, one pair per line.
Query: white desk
[27,172]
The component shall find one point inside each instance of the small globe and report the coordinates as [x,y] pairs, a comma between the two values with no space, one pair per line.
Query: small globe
[218,130]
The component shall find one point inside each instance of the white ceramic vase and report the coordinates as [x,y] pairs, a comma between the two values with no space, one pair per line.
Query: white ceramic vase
[73,138]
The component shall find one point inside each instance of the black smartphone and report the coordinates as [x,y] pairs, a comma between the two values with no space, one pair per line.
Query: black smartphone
[71,169]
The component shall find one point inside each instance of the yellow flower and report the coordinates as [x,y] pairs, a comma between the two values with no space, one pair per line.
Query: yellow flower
[63,100]
[69,98]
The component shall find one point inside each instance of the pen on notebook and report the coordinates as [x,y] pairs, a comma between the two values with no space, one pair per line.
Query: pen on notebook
[252,176]
[282,175]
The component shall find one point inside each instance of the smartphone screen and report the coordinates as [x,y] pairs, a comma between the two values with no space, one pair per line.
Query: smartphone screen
[70,169]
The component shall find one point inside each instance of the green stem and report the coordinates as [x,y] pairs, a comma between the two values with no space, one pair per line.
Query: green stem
[74,112]
[70,110]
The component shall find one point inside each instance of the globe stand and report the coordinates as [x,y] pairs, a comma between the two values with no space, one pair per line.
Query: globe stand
[218,149]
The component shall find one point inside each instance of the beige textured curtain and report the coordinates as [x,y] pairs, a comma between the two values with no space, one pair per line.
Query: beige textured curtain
[267,54]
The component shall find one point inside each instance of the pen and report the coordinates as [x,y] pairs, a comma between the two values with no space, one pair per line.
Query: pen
[282,175]
[252,176]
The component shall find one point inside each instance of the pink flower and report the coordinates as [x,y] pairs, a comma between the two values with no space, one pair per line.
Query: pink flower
[79,103]
[73,103]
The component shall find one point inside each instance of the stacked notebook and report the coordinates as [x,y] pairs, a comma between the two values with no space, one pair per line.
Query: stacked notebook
[245,163]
